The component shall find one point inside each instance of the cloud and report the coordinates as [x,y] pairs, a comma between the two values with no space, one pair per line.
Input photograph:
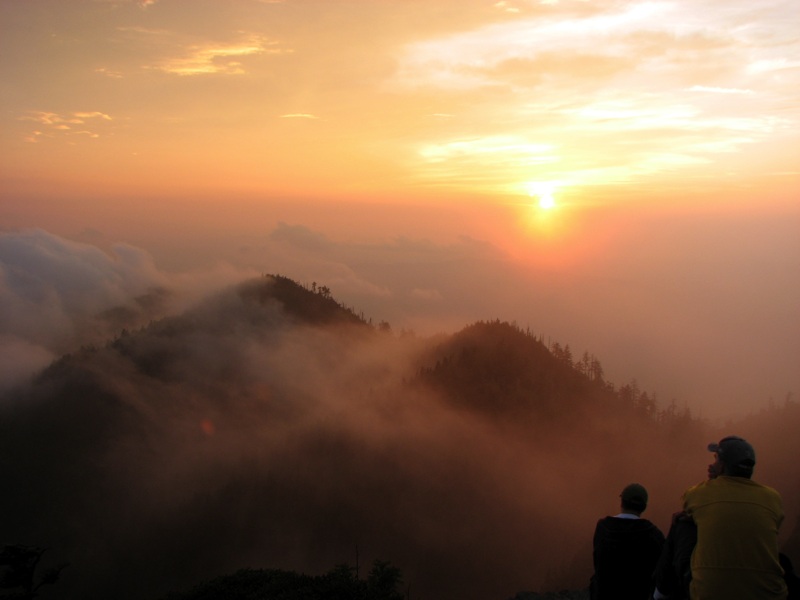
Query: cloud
[768,65]
[220,58]
[109,73]
[467,60]
[300,236]
[57,125]
[599,73]
[718,90]
[147,31]
[505,6]
[92,115]
[50,285]
[299,116]
[19,358]
[56,295]
[55,119]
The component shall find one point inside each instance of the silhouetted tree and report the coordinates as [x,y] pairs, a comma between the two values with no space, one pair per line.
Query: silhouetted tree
[596,370]
[340,583]
[567,355]
[584,364]
[384,582]
[18,572]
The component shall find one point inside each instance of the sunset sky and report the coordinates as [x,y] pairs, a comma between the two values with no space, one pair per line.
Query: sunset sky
[621,176]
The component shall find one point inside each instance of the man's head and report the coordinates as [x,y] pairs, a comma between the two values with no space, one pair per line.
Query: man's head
[634,498]
[734,456]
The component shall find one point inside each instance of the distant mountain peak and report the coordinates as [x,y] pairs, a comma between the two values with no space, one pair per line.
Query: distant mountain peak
[314,306]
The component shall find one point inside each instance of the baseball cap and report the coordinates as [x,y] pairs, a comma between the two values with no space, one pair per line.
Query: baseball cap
[734,451]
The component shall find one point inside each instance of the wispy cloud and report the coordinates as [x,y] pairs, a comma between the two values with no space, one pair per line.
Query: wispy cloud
[137,29]
[299,116]
[219,58]
[51,118]
[507,6]
[92,115]
[109,73]
[718,90]
[768,65]
[436,97]
[643,78]
[519,148]
[64,124]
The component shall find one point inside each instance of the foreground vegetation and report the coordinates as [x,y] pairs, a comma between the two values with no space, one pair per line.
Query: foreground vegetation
[341,583]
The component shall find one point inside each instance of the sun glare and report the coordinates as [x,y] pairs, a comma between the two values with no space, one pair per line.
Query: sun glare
[544,192]
[546,201]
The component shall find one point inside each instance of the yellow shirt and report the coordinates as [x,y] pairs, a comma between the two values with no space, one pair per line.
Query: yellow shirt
[736,555]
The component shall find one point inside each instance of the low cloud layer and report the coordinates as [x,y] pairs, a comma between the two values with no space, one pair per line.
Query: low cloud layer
[698,311]
[57,295]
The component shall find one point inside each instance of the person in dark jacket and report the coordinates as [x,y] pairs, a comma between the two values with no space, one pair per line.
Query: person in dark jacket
[626,550]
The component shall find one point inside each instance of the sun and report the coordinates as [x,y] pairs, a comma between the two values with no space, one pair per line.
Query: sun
[544,191]
[546,201]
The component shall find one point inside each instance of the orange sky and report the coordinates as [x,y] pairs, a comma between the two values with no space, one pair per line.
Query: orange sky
[374,99]
[195,130]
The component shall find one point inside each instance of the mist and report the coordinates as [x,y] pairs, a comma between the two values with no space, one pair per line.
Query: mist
[57,295]
[699,306]
[235,433]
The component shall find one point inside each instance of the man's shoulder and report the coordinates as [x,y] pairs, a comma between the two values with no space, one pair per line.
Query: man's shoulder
[766,488]
[704,492]
[655,528]
[603,523]
[768,495]
[745,483]
[726,487]
[608,521]
[697,488]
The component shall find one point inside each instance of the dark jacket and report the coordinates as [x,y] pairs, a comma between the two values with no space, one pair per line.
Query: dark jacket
[792,581]
[625,555]
[673,572]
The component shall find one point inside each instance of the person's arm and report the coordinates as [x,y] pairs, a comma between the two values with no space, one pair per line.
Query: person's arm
[596,543]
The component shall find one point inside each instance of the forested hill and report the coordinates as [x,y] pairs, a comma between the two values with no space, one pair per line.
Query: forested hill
[497,369]
[271,427]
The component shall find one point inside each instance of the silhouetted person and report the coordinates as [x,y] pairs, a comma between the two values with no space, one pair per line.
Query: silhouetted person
[737,519]
[626,549]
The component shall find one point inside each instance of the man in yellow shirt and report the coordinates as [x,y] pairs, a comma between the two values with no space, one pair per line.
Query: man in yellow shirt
[737,520]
